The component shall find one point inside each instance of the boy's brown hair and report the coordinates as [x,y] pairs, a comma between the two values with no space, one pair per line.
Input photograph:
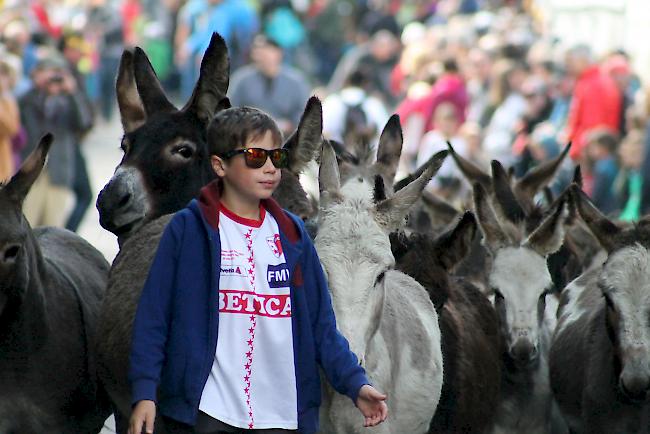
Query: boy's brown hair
[234,127]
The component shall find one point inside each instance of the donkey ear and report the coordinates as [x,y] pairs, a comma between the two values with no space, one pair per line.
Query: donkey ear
[213,81]
[577,176]
[527,187]
[603,229]
[379,191]
[328,176]
[151,92]
[394,209]
[19,185]
[549,236]
[471,171]
[224,104]
[505,199]
[389,149]
[454,244]
[128,100]
[493,233]
[415,175]
[306,141]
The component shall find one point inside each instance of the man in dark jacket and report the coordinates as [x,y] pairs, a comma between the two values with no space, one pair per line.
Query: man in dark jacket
[55,105]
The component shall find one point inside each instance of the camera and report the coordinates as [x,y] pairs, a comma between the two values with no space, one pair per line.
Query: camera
[57,78]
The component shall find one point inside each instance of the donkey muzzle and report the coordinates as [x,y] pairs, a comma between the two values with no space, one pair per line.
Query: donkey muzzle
[524,352]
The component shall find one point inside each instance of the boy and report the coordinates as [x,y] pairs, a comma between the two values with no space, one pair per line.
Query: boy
[235,314]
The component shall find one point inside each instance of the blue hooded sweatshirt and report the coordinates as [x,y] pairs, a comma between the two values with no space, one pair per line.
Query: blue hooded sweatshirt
[176,324]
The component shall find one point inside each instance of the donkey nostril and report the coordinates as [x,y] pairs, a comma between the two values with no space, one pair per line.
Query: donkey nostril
[10,253]
[125,200]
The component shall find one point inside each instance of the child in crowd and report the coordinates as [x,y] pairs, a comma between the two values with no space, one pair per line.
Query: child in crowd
[235,316]
[602,147]
[446,124]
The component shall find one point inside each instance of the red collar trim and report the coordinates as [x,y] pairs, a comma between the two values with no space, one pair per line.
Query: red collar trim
[242,220]
[210,205]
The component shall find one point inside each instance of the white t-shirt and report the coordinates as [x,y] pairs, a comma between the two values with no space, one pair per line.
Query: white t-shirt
[252,383]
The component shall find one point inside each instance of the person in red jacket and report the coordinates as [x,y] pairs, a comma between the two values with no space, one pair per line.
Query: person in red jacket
[596,100]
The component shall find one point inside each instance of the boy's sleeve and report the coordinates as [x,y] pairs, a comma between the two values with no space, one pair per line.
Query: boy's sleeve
[152,318]
[333,353]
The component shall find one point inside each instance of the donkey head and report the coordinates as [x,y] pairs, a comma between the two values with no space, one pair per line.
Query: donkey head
[165,160]
[624,281]
[15,232]
[519,277]
[353,243]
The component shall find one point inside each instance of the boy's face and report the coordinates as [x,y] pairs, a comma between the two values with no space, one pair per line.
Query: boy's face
[244,182]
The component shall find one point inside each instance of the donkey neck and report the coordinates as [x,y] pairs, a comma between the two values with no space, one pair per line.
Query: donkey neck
[24,321]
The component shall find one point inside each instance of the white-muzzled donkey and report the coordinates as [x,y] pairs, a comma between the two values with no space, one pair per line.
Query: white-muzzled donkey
[387,317]
[520,284]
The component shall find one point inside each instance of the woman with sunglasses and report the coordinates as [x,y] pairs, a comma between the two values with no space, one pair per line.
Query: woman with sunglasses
[235,317]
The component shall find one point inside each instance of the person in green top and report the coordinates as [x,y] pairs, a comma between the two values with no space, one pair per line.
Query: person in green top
[631,179]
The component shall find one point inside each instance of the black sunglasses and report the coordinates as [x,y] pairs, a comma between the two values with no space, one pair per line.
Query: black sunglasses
[256,157]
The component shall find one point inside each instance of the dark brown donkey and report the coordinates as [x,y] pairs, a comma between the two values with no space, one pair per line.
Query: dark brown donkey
[468,325]
[51,285]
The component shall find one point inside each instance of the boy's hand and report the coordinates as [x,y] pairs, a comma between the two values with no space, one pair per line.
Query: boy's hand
[143,413]
[372,405]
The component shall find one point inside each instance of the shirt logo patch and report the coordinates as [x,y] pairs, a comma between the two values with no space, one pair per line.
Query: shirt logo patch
[277,276]
[232,270]
[275,245]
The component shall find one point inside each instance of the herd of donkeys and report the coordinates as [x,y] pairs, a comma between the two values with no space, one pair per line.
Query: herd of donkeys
[518,315]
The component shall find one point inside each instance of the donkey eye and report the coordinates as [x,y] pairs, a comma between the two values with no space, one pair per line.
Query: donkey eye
[498,296]
[184,151]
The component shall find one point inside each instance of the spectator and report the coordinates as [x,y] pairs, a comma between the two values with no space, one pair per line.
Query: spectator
[54,105]
[537,110]
[596,99]
[17,39]
[631,179]
[378,55]
[73,48]
[187,23]
[9,119]
[479,65]
[337,108]
[379,16]
[106,30]
[245,25]
[271,86]
[601,147]
[446,123]
[449,87]
[618,68]
[509,106]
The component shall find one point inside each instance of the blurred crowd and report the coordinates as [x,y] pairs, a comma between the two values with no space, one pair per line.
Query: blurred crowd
[480,74]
